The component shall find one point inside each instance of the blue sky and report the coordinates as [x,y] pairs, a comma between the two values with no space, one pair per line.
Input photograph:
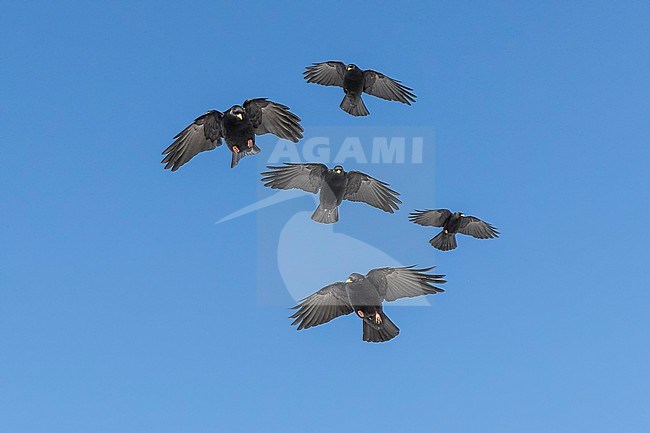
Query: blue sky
[125,308]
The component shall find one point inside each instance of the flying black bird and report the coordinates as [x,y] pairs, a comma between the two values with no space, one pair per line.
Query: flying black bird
[452,223]
[335,185]
[364,295]
[238,125]
[356,81]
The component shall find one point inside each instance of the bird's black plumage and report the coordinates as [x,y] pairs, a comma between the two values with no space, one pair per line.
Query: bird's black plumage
[355,82]
[452,223]
[238,126]
[365,295]
[335,185]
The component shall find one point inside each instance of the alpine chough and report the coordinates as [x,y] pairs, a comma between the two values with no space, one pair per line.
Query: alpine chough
[335,185]
[355,82]
[451,224]
[238,126]
[364,296]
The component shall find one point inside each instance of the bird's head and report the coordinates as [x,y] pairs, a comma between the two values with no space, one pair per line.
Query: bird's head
[338,169]
[459,214]
[237,111]
[351,67]
[354,277]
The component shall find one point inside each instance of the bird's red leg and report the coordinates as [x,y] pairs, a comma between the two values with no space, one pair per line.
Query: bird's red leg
[360,313]
[250,143]
[235,149]
[377,318]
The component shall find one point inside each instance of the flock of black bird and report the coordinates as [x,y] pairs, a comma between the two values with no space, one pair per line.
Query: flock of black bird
[363,295]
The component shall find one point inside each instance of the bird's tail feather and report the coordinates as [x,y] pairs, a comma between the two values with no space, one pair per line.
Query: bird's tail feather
[326,216]
[236,157]
[375,333]
[354,105]
[444,241]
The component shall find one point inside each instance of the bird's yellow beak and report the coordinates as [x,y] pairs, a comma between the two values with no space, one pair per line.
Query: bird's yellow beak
[349,280]
[338,171]
[239,116]
[349,67]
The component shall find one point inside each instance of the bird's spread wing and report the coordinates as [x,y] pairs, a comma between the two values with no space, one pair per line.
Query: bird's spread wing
[328,303]
[307,177]
[473,226]
[361,187]
[434,218]
[326,73]
[203,134]
[271,117]
[381,86]
[404,282]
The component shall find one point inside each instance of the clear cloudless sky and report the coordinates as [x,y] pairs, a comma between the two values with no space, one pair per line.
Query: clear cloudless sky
[125,308]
